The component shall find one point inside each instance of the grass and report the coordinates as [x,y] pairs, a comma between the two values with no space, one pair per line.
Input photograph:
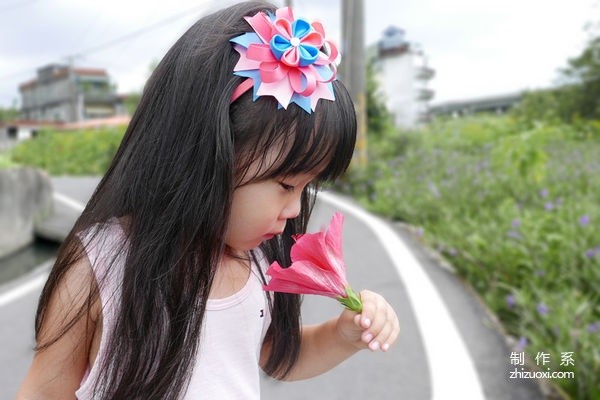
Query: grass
[70,153]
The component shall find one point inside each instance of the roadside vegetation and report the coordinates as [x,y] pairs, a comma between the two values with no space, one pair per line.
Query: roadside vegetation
[514,207]
[512,202]
[86,152]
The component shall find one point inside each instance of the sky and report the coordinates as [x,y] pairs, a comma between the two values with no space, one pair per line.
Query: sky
[477,48]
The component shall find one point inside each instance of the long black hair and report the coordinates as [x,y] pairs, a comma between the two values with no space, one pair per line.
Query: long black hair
[171,184]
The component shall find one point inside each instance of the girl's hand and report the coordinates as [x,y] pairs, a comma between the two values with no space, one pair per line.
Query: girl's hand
[376,327]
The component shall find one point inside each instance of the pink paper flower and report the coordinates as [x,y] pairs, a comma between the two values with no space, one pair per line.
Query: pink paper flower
[317,267]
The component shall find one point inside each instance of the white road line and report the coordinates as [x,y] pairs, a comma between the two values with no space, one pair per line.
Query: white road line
[74,204]
[453,375]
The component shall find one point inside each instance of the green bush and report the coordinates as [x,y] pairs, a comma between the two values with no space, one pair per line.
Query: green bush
[70,153]
[515,208]
[6,161]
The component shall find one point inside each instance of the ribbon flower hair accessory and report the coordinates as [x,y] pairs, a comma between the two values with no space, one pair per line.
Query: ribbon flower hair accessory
[317,267]
[289,59]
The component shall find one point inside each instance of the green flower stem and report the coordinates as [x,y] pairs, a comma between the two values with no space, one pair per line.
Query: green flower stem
[351,301]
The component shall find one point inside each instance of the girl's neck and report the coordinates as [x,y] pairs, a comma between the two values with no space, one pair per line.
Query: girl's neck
[231,276]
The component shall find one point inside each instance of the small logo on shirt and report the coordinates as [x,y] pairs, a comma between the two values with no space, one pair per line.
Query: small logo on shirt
[262,313]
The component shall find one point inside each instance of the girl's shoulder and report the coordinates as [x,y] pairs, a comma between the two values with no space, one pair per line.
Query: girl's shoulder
[103,240]
[105,247]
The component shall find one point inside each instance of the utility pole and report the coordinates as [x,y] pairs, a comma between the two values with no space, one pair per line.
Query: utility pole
[73,90]
[354,71]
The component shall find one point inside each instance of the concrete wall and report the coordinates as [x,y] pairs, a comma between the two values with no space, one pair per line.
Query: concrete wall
[25,198]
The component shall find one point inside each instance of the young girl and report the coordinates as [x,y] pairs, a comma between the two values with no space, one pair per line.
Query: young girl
[157,291]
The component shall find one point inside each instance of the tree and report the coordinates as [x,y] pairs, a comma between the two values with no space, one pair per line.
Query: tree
[584,72]
[578,95]
[378,117]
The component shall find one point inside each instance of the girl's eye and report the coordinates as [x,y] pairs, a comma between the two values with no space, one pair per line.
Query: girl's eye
[286,187]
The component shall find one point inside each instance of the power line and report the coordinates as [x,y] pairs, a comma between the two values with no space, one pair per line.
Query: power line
[139,32]
[121,39]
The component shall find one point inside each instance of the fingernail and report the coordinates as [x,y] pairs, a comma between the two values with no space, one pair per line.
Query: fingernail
[385,347]
[374,346]
[366,322]
[368,337]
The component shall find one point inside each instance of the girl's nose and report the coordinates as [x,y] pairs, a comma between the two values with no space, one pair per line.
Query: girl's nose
[292,208]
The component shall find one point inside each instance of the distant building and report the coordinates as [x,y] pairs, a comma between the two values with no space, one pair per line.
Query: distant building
[65,94]
[403,74]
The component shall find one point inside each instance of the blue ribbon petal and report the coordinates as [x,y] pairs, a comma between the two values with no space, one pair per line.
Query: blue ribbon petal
[308,54]
[302,101]
[300,28]
[279,45]
[324,71]
[247,39]
[255,75]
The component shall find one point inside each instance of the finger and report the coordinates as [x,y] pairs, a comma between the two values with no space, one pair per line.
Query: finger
[370,303]
[384,327]
[389,334]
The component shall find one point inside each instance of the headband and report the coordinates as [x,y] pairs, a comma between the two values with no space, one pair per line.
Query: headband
[289,59]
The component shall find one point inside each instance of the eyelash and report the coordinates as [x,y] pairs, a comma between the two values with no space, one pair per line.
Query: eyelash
[286,187]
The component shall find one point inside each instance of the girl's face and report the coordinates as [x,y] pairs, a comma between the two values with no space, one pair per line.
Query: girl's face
[260,209]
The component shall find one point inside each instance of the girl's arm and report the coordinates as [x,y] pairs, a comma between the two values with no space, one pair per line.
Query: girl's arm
[56,372]
[326,345]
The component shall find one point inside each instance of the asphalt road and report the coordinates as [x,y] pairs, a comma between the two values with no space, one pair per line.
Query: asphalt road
[449,347]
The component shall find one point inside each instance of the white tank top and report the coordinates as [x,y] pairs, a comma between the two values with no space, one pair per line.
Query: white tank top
[227,364]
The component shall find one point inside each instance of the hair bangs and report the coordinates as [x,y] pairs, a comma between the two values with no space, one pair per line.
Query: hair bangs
[271,142]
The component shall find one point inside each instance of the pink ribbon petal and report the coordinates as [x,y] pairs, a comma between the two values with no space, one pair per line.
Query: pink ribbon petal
[244,63]
[323,91]
[272,72]
[260,52]
[283,27]
[261,24]
[318,27]
[285,13]
[281,90]
[314,39]
[303,80]
[291,57]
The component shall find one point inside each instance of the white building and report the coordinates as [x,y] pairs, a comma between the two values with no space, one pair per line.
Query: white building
[403,74]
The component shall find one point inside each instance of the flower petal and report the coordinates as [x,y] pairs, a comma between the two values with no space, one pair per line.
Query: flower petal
[300,28]
[308,55]
[333,241]
[272,72]
[313,39]
[305,276]
[279,45]
[261,24]
[284,28]
[281,90]
[291,57]
[285,13]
